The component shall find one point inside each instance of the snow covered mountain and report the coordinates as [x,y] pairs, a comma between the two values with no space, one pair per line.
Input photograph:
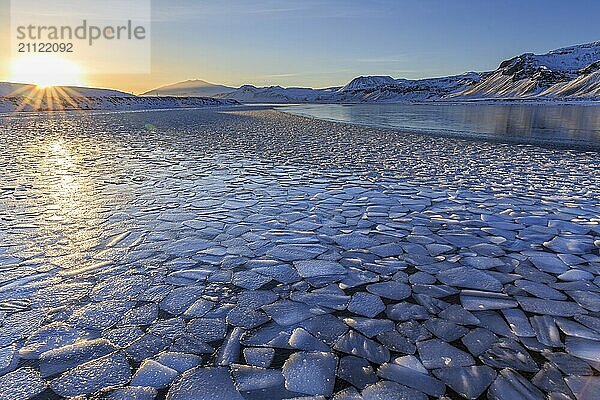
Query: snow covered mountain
[368,82]
[567,73]
[554,74]
[193,87]
[278,94]
[394,90]
[369,89]
[586,85]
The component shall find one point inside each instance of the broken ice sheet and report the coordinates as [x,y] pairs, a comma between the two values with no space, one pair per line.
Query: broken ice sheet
[132,393]
[154,374]
[469,382]
[204,384]
[302,340]
[355,344]
[207,329]
[392,391]
[107,371]
[366,304]
[201,233]
[370,327]
[317,268]
[296,252]
[258,356]
[356,371]
[390,290]
[63,358]
[310,373]
[286,312]
[583,348]
[99,315]
[435,353]
[21,384]
[511,385]
[251,378]
[49,337]
[469,278]
[412,378]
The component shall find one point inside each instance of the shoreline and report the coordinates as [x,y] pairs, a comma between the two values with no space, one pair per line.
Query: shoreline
[463,136]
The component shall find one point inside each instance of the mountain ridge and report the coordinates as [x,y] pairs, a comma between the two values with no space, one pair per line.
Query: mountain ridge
[568,73]
[190,87]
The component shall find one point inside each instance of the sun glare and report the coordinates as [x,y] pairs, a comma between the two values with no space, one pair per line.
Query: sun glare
[44,70]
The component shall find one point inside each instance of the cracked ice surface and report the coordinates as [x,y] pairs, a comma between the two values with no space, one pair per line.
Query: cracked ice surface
[255,255]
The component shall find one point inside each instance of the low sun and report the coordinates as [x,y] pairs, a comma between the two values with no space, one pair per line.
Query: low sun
[44,70]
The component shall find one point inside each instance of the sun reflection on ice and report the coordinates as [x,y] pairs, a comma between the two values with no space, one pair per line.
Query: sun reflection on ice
[62,167]
[70,216]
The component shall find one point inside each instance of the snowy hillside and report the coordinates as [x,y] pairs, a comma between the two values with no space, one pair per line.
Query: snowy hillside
[8,89]
[120,103]
[406,90]
[278,94]
[569,59]
[368,82]
[194,87]
[540,75]
[585,86]
[362,89]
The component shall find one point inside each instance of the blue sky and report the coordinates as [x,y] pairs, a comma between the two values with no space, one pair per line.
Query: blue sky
[321,43]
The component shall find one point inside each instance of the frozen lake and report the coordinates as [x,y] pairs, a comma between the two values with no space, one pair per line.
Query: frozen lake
[552,124]
[192,254]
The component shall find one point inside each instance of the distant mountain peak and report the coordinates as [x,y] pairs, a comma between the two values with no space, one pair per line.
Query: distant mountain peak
[190,88]
[366,82]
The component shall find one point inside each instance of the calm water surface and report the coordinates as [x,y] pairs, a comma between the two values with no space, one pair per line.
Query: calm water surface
[561,125]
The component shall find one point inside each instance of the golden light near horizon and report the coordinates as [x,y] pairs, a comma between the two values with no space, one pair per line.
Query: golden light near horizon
[46,70]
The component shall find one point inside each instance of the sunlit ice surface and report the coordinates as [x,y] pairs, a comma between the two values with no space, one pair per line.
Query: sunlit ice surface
[248,253]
